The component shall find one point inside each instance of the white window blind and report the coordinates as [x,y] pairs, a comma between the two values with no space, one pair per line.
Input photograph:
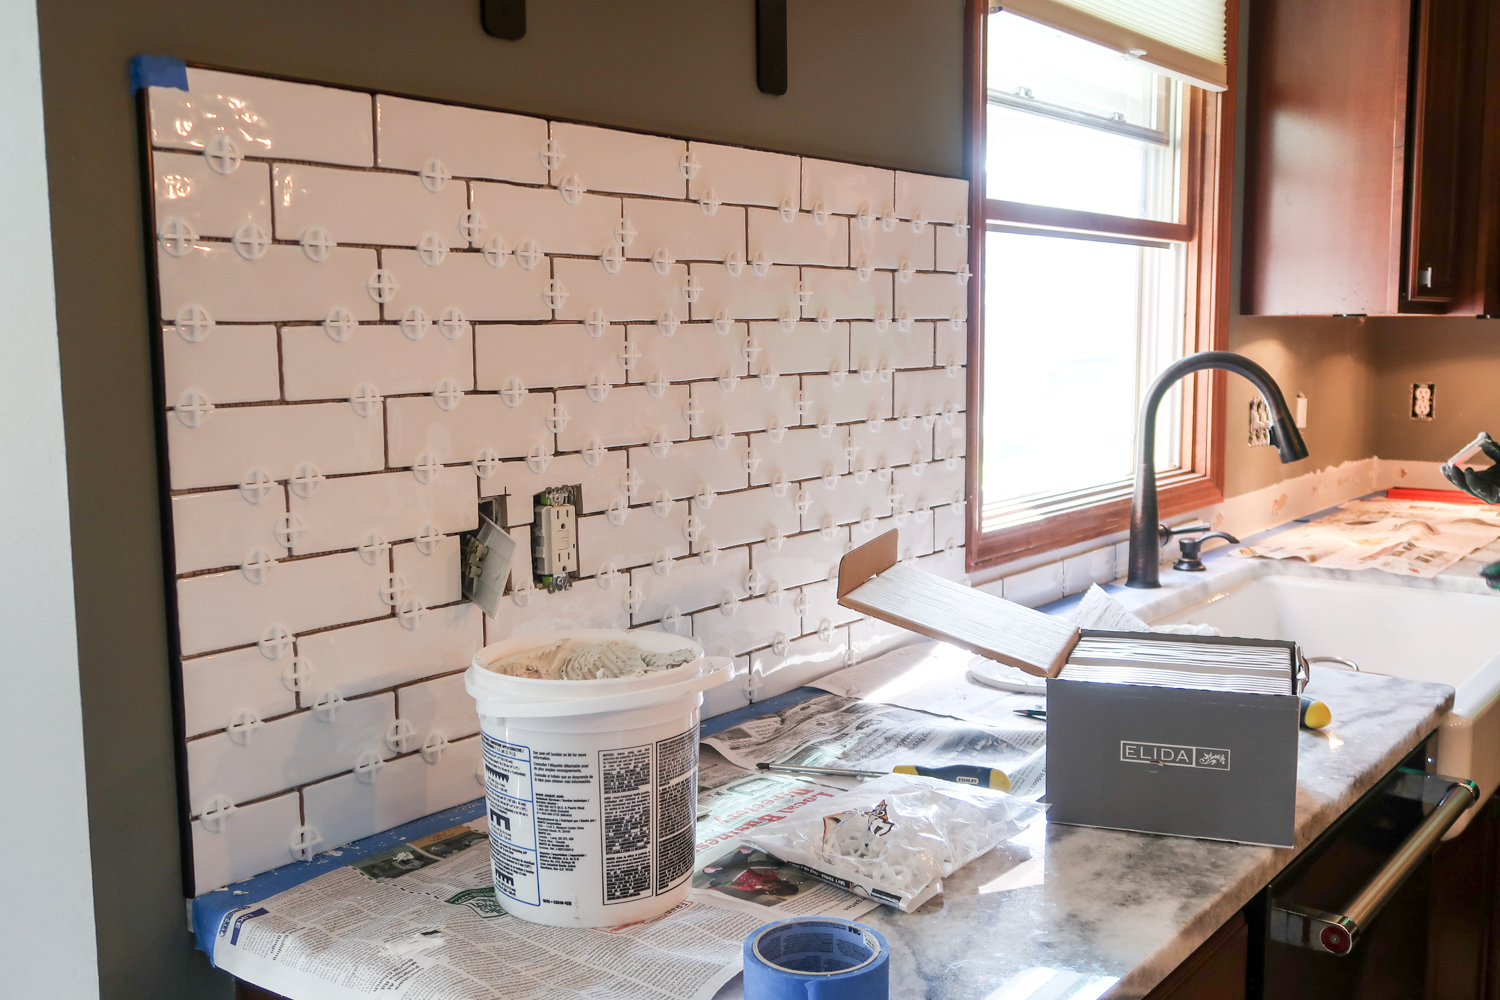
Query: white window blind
[1181,38]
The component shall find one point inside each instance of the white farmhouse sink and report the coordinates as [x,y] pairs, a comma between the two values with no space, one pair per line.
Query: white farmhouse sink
[1383,623]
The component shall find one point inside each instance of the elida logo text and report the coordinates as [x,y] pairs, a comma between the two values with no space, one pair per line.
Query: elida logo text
[1174,756]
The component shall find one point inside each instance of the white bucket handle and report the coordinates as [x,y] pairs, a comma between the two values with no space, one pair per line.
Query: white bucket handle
[645,698]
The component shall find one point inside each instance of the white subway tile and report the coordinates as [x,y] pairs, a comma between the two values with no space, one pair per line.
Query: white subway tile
[932,296]
[434,578]
[803,453]
[871,637]
[254,838]
[937,484]
[468,141]
[628,415]
[853,400]
[847,502]
[802,240]
[807,348]
[890,444]
[342,512]
[1122,559]
[233,364]
[747,295]
[635,293]
[949,524]
[801,559]
[548,355]
[694,351]
[214,204]
[952,248]
[216,529]
[948,565]
[750,406]
[518,214]
[621,162]
[918,392]
[751,516]
[754,623]
[745,176]
[1082,571]
[691,585]
[584,605]
[636,542]
[684,231]
[688,467]
[949,437]
[219,610]
[913,539]
[274,439]
[359,206]
[1035,587]
[842,295]
[874,247]
[951,344]
[845,188]
[287,752]
[466,281]
[381,654]
[805,661]
[416,425]
[282,285]
[215,688]
[346,809]
[823,606]
[871,349]
[727,697]
[441,706]
[265,117]
[935,199]
[316,366]
[519,483]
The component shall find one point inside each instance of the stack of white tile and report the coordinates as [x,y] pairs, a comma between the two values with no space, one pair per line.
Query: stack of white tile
[378,311]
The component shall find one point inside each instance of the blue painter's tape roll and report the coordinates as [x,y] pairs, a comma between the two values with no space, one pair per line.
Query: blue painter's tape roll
[817,958]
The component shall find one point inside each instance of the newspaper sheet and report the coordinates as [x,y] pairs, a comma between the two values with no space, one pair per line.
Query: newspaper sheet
[1398,536]
[833,731]
[421,922]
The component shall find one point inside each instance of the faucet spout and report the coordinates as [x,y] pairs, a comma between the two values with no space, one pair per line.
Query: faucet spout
[1144,520]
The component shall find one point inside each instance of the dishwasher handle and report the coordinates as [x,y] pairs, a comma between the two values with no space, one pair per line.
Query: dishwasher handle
[1336,933]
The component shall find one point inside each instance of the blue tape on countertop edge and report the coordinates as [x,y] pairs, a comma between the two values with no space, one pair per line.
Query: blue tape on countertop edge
[764,981]
[209,908]
[157,71]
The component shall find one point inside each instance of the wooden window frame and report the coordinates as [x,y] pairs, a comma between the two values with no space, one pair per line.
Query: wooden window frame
[1204,229]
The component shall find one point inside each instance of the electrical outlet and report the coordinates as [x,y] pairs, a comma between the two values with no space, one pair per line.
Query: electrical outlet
[1423,400]
[1260,424]
[554,537]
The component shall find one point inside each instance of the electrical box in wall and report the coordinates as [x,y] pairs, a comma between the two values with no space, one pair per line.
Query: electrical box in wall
[487,556]
[554,537]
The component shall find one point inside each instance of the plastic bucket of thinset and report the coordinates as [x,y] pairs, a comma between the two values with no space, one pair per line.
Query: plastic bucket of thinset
[592,785]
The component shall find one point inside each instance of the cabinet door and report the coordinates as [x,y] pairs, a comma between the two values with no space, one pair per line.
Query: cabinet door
[1446,115]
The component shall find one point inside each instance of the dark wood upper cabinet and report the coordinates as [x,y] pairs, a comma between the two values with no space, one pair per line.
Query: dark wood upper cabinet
[1371,157]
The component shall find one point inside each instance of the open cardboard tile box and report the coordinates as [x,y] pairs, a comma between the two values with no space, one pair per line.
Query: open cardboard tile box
[1192,736]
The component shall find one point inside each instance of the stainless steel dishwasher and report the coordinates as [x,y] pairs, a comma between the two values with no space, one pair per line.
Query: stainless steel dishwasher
[1348,918]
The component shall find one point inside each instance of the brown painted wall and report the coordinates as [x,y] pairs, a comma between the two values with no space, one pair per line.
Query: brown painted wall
[1461,356]
[874,81]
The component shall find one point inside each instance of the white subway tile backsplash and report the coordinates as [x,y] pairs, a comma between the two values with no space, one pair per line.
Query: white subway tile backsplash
[316,366]
[933,199]
[948,565]
[441,706]
[914,537]
[807,348]
[847,189]
[233,364]
[340,201]
[949,438]
[846,502]
[823,606]
[802,453]
[628,415]
[635,293]
[1083,571]
[891,445]
[933,295]
[747,295]
[753,623]
[750,405]
[690,585]
[805,661]
[584,605]
[948,523]
[467,282]
[622,162]
[871,349]
[936,483]
[853,399]
[417,425]
[800,239]
[639,538]
[689,467]
[952,248]
[899,248]
[219,610]
[288,752]
[214,204]
[694,351]
[218,528]
[522,481]
[547,355]
[274,439]
[685,230]
[469,142]
[842,294]
[217,687]
[921,392]
[265,117]
[751,516]
[345,809]
[799,560]
[745,176]
[434,577]
[518,214]
[358,659]
[870,637]
[341,513]
[283,285]
[252,839]
[952,345]
[1036,587]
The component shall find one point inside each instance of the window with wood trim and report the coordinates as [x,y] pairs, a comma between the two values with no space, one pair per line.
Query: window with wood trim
[1102,187]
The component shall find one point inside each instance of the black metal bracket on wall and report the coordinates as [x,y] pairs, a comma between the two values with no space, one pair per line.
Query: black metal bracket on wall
[770,46]
[503,18]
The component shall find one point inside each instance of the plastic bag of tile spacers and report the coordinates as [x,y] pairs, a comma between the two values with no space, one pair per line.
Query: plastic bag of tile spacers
[592,783]
[893,838]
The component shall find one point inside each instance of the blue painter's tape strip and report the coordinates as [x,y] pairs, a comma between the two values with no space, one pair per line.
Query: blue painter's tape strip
[157,71]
